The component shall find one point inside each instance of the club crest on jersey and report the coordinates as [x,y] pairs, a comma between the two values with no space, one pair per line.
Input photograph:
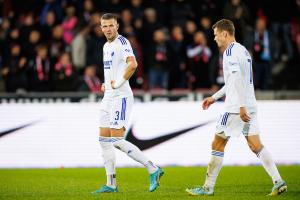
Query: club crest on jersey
[112,54]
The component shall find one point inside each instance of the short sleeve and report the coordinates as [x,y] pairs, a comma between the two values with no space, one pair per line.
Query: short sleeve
[126,49]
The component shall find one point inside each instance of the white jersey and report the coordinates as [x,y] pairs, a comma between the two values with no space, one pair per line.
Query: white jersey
[115,54]
[236,59]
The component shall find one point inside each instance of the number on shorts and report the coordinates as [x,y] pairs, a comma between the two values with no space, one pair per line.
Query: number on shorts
[117,115]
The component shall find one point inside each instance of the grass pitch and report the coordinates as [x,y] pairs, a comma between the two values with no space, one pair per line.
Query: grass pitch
[233,183]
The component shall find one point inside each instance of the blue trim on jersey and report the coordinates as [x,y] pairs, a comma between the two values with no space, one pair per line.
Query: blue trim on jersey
[122,40]
[231,49]
[106,67]
[228,51]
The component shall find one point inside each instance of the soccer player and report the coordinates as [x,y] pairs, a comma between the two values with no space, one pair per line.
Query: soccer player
[240,114]
[119,65]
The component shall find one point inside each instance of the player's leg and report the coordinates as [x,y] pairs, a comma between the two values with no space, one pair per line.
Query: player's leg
[130,149]
[263,154]
[118,126]
[108,151]
[109,157]
[251,131]
[213,168]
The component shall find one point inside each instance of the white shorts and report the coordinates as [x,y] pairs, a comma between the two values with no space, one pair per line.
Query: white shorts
[115,113]
[230,124]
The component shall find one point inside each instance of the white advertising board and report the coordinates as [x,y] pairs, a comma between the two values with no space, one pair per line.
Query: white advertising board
[66,134]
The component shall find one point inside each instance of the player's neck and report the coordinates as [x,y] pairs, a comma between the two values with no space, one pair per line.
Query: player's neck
[112,39]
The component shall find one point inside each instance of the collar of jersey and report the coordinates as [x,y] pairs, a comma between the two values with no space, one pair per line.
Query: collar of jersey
[229,46]
[114,39]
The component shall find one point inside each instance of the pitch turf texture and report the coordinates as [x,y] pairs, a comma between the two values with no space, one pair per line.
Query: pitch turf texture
[233,183]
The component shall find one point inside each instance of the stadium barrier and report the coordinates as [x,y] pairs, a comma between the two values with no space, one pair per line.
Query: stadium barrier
[43,135]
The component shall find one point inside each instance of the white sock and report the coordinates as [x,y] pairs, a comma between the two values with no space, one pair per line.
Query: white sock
[111,180]
[134,152]
[213,169]
[109,159]
[269,164]
[151,167]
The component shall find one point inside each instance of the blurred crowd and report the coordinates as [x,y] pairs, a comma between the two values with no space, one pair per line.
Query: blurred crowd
[56,45]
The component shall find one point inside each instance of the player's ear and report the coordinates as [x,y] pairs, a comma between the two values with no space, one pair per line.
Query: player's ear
[117,26]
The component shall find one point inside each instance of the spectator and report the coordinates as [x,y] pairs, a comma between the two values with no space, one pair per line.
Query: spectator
[27,26]
[57,45]
[190,30]
[78,49]
[68,24]
[86,14]
[262,47]
[64,76]
[52,5]
[46,28]
[177,58]
[205,27]
[15,70]
[157,61]
[31,43]
[94,49]
[90,81]
[280,26]
[5,27]
[150,24]
[39,69]
[12,38]
[181,11]
[199,55]
[238,12]
[136,9]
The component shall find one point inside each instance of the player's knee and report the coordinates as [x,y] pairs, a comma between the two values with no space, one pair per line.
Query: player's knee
[117,145]
[255,148]
[218,146]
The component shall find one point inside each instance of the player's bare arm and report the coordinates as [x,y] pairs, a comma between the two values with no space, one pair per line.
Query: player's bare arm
[207,102]
[130,69]
[210,100]
[244,115]
[102,89]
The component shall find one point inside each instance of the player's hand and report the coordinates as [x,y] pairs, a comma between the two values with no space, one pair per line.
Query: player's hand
[112,82]
[103,87]
[207,102]
[244,115]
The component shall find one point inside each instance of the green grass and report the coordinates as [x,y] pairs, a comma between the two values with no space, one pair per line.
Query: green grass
[233,183]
